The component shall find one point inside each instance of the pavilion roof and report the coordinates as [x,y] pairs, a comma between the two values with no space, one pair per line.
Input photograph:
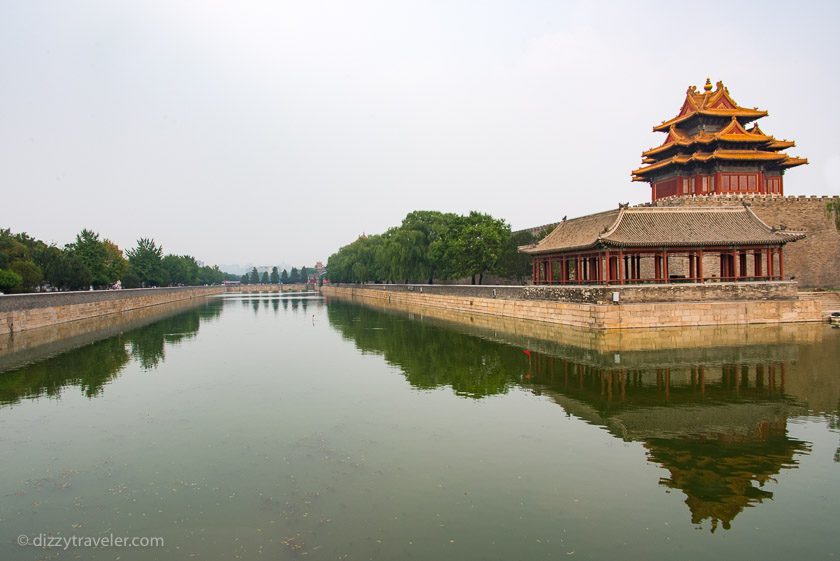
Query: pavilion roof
[686,143]
[662,227]
[717,103]
[783,160]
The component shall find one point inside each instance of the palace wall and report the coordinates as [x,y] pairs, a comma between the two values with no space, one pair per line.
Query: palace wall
[592,307]
[813,262]
[21,312]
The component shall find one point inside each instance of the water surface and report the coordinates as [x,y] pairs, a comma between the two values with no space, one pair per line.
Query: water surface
[284,428]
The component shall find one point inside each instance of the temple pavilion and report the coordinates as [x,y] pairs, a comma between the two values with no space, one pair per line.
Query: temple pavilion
[710,148]
[632,245]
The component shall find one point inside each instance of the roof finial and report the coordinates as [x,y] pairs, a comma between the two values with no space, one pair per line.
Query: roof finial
[708,86]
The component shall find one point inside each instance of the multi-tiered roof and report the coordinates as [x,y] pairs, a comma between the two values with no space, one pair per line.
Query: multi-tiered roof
[711,135]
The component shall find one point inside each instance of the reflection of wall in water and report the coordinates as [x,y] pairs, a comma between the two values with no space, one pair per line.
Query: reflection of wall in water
[714,417]
[92,366]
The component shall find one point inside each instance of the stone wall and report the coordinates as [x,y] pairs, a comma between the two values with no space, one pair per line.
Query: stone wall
[815,261]
[592,312]
[20,312]
[598,294]
[652,346]
[32,345]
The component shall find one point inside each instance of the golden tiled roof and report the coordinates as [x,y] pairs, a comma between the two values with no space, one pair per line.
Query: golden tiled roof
[754,144]
[665,227]
[784,160]
[717,103]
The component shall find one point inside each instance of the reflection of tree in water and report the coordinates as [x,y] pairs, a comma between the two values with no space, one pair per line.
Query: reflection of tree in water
[431,357]
[92,366]
[718,427]
[89,367]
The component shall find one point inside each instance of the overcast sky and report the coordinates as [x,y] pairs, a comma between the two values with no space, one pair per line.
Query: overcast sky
[268,131]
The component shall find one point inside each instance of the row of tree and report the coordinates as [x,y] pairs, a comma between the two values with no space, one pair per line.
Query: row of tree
[28,264]
[276,277]
[430,246]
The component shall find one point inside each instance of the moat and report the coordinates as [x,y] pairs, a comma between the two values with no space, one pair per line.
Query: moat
[289,427]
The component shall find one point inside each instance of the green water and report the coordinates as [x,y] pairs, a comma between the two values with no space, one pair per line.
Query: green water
[286,428]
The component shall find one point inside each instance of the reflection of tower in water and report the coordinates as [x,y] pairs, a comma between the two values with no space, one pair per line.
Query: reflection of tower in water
[718,428]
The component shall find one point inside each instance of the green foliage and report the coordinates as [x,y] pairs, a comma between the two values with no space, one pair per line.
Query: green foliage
[275,276]
[294,275]
[91,252]
[30,274]
[181,269]
[476,244]
[254,276]
[427,245]
[833,207]
[63,269]
[264,277]
[146,261]
[512,263]
[94,261]
[284,276]
[9,280]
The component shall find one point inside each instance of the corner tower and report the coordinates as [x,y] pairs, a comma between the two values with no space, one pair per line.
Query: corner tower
[711,149]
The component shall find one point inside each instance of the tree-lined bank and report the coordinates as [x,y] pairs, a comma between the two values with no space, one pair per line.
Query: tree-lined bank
[28,264]
[431,246]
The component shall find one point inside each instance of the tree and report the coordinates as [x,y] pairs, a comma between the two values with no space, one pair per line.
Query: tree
[9,280]
[244,279]
[264,277]
[254,277]
[146,260]
[30,274]
[63,269]
[92,253]
[512,263]
[181,269]
[284,276]
[116,264]
[275,276]
[476,244]
[294,275]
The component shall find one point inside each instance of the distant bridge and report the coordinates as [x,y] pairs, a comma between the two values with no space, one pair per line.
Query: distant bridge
[245,288]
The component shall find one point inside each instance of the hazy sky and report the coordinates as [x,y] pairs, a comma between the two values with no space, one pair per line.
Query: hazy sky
[268,131]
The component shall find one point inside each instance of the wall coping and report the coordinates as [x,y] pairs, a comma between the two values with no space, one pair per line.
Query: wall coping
[33,300]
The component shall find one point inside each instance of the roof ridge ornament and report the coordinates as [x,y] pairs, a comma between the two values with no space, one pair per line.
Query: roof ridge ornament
[708,85]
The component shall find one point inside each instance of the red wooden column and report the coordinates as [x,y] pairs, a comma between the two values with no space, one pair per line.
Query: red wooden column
[665,269]
[607,268]
[621,267]
[533,271]
[781,266]
[657,266]
[691,267]
[700,266]
[771,269]
[734,261]
[550,272]
[757,263]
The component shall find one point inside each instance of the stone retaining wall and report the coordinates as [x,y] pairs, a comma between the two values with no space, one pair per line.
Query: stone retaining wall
[589,308]
[599,294]
[20,312]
